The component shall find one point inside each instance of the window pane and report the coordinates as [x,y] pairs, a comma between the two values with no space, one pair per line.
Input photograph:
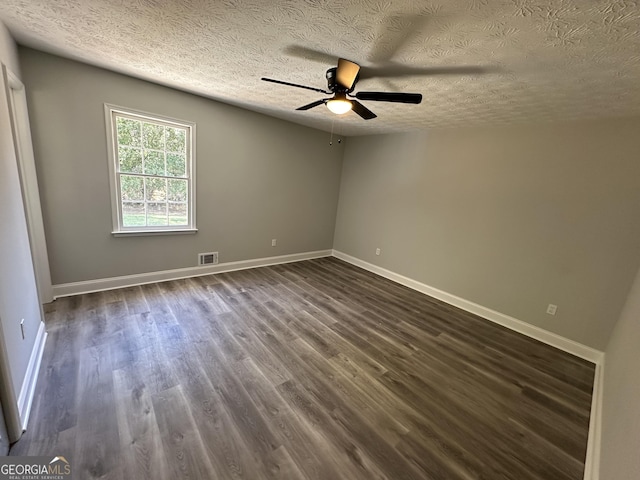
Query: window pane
[133,215]
[178,214]
[153,136]
[128,132]
[132,188]
[153,166]
[176,165]
[176,140]
[156,189]
[177,190]
[153,162]
[130,159]
[157,214]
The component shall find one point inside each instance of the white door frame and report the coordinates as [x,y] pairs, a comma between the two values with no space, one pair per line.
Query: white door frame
[17,100]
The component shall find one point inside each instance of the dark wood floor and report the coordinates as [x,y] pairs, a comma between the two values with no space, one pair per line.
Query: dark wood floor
[310,370]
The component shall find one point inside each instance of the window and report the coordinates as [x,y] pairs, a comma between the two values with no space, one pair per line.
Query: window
[152,169]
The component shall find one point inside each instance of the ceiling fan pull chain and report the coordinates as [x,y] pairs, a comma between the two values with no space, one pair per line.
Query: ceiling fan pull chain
[333,121]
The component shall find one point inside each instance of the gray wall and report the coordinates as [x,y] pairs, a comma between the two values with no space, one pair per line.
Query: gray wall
[620,455]
[258,178]
[18,293]
[511,218]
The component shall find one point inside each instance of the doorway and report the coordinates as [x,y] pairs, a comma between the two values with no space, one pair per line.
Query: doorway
[29,183]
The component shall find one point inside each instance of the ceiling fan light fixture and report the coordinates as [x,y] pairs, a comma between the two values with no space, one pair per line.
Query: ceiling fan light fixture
[339,106]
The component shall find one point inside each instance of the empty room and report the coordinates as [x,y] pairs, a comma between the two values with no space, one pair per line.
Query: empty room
[309,240]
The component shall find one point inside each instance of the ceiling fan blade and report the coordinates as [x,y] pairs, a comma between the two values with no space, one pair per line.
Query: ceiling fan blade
[361,110]
[395,70]
[347,73]
[294,85]
[312,104]
[414,98]
[310,54]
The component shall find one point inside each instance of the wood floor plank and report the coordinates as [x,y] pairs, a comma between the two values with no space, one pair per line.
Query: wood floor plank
[315,370]
[97,442]
[229,454]
[347,457]
[184,450]
[140,439]
[281,466]
[304,442]
[334,385]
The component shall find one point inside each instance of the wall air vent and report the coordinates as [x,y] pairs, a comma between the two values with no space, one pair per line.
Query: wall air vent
[210,258]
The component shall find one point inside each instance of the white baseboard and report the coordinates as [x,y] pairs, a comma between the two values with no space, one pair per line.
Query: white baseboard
[519,326]
[592,462]
[89,286]
[25,399]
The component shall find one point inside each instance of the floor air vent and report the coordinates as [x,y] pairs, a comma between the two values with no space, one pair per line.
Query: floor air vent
[208,258]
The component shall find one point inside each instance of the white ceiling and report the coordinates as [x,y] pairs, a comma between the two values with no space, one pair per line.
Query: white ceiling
[546,60]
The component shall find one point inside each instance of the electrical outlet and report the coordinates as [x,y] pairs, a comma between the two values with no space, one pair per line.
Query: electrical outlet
[551,309]
[274,242]
[378,251]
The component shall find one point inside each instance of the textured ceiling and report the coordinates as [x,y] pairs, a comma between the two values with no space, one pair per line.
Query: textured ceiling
[544,60]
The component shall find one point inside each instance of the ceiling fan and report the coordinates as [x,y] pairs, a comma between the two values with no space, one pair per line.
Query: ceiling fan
[341,81]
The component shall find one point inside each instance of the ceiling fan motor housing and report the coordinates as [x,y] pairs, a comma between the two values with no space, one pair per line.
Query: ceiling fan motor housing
[334,86]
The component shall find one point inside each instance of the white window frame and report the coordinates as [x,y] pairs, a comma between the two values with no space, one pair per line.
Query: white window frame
[111,111]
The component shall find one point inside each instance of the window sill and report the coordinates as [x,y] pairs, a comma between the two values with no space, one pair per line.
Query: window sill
[140,233]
